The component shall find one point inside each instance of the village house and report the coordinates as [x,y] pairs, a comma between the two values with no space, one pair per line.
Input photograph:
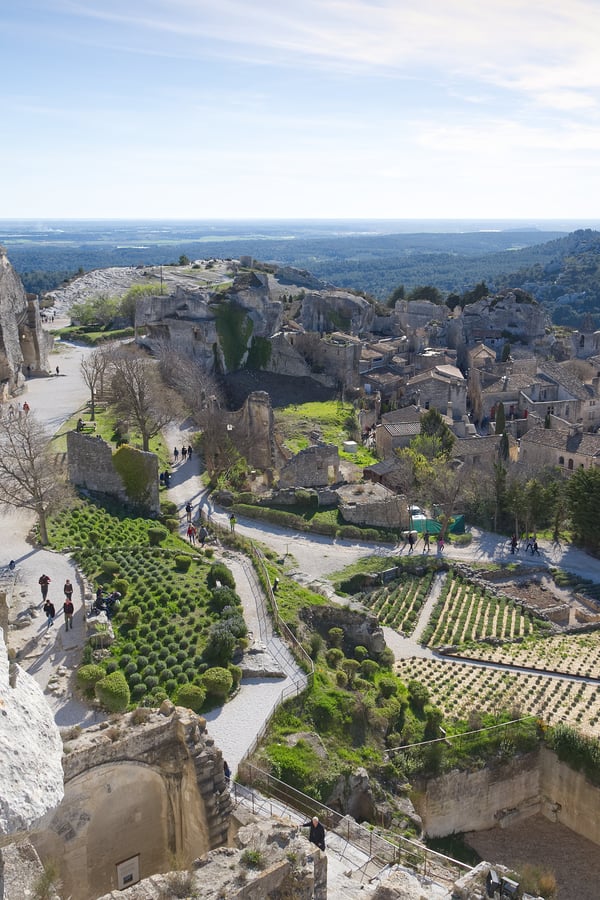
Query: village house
[396,430]
[570,448]
[443,388]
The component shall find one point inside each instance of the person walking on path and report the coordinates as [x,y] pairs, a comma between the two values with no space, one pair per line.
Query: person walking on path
[189,451]
[183,453]
[535,549]
[411,541]
[513,543]
[43,583]
[232,521]
[50,613]
[176,455]
[68,610]
[316,835]
[425,542]
[202,534]
[191,533]
[188,511]
[68,589]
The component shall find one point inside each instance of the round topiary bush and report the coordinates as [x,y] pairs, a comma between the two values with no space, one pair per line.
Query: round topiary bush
[151,682]
[217,682]
[110,568]
[132,615]
[88,676]
[172,525]
[156,535]
[191,696]
[219,572]
[183,562]
[113,692]
[121,585]
[224,596]
[138,691]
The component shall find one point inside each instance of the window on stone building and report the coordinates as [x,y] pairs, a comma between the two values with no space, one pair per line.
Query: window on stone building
[561,460]
[570,464]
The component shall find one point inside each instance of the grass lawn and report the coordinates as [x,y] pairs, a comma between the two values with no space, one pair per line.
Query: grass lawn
[105,428]
[335,421]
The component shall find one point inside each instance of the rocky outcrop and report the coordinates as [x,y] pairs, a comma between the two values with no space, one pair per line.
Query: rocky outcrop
[31,774]
[359,630]
[24,345]
[326,311]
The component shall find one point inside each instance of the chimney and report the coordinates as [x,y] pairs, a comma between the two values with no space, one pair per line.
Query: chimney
[449,410]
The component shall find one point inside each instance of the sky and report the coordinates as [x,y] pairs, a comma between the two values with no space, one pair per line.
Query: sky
[300,109]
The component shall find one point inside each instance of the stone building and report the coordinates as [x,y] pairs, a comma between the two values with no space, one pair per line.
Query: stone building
[313,467]
[570,448]
[443,388]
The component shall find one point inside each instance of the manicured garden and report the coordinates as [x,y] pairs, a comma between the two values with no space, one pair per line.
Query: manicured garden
[179,621]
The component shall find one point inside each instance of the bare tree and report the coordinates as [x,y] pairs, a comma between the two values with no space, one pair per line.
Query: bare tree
[140,394]
[186,374]
[93,369]
[30,476]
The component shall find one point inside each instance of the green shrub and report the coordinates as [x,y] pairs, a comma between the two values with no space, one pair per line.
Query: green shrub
[218,682]
[224,596]
[110,568]
[172,525]
[156,535]
[219,572]
[121,585]
[183,562]
[88,676]
[168,508]
[132,615]
[113,692]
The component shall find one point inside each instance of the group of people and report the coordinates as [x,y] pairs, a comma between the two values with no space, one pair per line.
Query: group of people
[186,453]
[48,605]
[192,532]
[531,545]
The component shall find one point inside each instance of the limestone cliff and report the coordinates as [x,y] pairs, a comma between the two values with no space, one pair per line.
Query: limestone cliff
[23,344]
[31,775]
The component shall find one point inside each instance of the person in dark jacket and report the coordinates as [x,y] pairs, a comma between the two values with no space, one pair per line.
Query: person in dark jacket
[316,835]
[50,612]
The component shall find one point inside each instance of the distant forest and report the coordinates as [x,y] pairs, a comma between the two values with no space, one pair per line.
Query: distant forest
[562,272]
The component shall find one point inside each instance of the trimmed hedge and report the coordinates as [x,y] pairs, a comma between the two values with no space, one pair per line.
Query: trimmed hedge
[218,682]
[88,676]
[113,692]
[192,696]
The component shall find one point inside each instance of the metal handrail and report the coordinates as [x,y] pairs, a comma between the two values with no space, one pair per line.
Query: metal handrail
[389,850]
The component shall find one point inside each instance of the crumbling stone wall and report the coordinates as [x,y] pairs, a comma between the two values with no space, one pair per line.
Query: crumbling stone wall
[371,504]
[315,466]
[153,790]
[91,466]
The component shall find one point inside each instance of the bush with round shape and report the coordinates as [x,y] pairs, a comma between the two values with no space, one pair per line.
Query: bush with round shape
[121,585]
[133,679]
[220,644]
[191,696]
[368,669]
[219,572]
[236,673]
[88,676]
[113,692]
[110,568]
[218,682]
[182,562]
[156,535]
[171,524]
[151,682]
[222,597]
[138,691]
[132,615]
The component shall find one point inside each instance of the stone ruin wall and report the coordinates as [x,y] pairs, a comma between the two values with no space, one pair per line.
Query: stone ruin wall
[252,429]
[90,466]
[504,794]
[153,790]
[315,466]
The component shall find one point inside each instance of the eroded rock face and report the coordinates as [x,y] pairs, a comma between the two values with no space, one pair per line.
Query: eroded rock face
[23,344]
[31,775]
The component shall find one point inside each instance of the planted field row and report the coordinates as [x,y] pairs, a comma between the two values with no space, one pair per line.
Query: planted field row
[467,612]
[398,604]
[460,689]
[573,654]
